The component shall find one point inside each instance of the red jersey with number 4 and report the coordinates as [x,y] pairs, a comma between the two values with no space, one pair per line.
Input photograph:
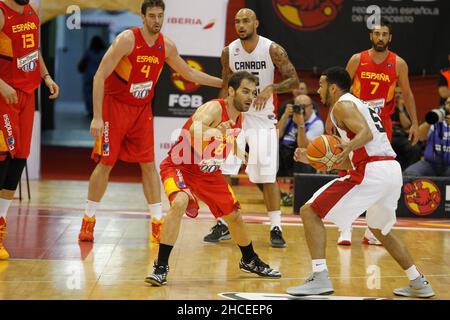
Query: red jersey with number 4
[19,49]
[215,149]
[375,83]
[134,79]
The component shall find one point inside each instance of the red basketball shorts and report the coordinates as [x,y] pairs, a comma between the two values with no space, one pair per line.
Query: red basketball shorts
[127,133]
[17,126]
[211,188]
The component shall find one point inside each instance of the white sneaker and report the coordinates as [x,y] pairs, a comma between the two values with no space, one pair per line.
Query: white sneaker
[345,238]
[370,239]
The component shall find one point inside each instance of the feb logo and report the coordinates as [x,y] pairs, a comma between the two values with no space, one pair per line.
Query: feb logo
[182,84]
[422,196]
[307,15]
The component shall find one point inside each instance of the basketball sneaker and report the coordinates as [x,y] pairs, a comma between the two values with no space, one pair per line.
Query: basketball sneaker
[317,284]
[4,255]
[156,230]
[345,238]
[159,276]
[256,265]
[419,288]
[87,229]
[276,238]
[370,239]
[218,232]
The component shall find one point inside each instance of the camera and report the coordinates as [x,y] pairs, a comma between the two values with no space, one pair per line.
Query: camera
[298,108]
[436,115]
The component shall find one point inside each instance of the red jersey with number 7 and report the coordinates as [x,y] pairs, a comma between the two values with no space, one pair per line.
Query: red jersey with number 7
[19,49]
[135,76]
[375,83]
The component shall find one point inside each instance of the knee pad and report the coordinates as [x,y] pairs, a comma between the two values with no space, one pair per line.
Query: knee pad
[13,173]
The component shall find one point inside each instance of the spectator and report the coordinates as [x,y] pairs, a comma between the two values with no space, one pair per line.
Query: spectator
[444,84]
[298,125]
[437,152]
[301,89]
[407,154]
[88,66]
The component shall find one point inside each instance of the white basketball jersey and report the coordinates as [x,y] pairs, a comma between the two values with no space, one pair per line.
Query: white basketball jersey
[379,145]
[259,63]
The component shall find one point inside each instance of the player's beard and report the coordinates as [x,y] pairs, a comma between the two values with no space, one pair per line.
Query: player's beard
[378,47]
[22,2]
[247,36]
[153,29]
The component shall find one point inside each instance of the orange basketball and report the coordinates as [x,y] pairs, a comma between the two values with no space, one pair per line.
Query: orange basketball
[322,152]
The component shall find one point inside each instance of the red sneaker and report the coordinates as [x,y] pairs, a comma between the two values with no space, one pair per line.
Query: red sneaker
[87,229]
[4,255]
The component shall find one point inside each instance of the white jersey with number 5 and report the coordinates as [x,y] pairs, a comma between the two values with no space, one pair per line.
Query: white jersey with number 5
[259,63]
[379,146]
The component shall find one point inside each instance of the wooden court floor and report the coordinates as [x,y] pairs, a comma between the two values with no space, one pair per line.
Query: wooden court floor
[47,262]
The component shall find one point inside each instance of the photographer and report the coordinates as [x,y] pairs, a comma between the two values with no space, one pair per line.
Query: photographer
[297,126]
[436,130]
[407,154]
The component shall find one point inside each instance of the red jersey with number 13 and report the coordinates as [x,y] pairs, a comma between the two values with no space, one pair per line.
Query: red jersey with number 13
[134,79]
[19,49]
[375,83]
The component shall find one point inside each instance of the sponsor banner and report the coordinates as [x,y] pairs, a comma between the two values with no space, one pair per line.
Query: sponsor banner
[196,26]
[323,33]
[426,197]
[166,132]
[176,97]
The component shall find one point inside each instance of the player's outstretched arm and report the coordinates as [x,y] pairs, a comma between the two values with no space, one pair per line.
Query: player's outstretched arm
[174,60]
[348,116]
[226,72]
[122,46]
[408,97]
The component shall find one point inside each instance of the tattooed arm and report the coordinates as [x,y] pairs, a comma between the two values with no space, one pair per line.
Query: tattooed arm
[226,72]
[288,72]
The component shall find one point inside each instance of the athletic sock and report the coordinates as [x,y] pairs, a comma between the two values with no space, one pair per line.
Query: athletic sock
[248,253]
[319,265]
[412,272]
[4,206]
[91,208]
[275,219]
[156,210]
[164,254]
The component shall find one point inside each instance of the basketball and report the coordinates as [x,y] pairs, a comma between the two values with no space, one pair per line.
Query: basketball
[322,152]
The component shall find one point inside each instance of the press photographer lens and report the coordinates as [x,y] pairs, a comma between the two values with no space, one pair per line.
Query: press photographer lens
[434,116]
[298,108]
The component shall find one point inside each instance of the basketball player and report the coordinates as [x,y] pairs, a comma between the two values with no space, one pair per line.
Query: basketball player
[190,173]
[123,121]
[21,72]
[375,74]
[373,183]
[260,56]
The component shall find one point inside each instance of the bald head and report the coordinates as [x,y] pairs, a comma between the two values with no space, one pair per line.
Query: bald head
[303,99]
[246,24]
[246,12]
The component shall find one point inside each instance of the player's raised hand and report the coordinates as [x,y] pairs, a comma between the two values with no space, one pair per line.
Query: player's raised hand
[96,128]
[52,86]
[414,134]
[263,96]
[8,93]
[300,155]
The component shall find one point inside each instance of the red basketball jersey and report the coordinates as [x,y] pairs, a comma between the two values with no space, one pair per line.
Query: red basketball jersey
[375,83]
[214,148]
[19,49]
[134,79]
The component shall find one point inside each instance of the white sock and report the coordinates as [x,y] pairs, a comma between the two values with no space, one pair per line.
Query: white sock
[412,272]
[4,206]
[319,265]
[156,210]
[223,221]
[91,208]
[275,219]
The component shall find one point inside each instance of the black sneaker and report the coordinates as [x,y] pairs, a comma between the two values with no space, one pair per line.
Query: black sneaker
[276,238]
[159,276]
[218,232]
[259,267]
